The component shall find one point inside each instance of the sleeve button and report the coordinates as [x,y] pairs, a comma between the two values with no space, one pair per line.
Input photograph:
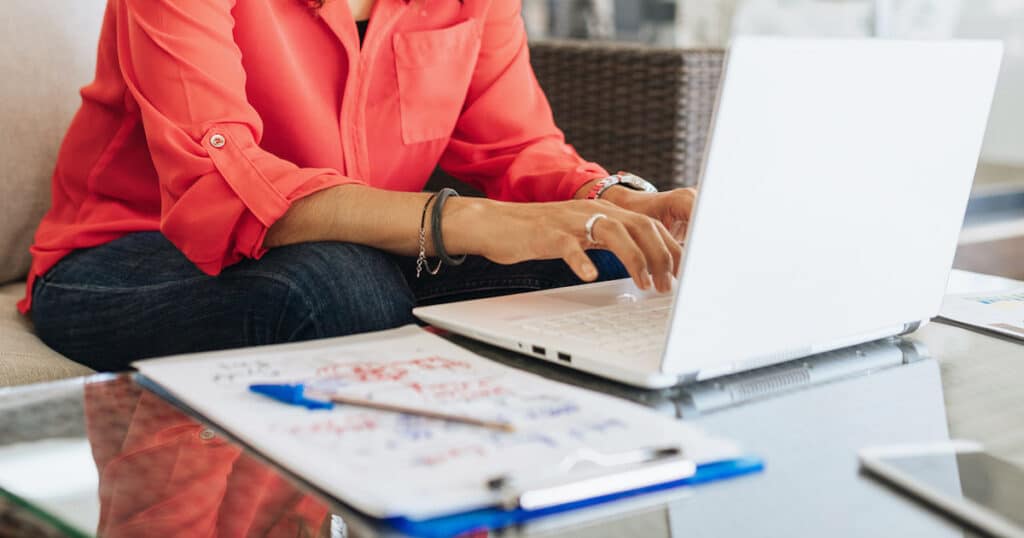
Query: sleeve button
[218,141]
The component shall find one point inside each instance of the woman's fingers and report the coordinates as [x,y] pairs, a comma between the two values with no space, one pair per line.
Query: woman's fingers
[678,231]
[644,232]
[680,209]
[673,247]
[643,244]
[612,235]
[577,259]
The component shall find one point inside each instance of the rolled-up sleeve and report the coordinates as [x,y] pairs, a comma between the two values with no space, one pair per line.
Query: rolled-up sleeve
[220,191]
[506,142]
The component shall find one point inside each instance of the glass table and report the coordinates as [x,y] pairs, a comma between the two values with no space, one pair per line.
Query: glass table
[103,455]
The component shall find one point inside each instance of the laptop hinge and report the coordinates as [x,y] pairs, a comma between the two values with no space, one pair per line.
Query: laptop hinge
[687,379]
[909,328]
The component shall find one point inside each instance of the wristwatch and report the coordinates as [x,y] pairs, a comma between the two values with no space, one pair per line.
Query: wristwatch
[625,179]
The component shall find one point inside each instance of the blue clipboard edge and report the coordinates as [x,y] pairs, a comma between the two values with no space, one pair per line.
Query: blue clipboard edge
[495,518]
[485,518]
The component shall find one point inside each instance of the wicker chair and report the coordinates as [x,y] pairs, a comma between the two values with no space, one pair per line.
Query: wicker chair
[630,107]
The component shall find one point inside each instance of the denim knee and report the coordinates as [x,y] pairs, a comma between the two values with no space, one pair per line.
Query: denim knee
[335,289]
[608,265]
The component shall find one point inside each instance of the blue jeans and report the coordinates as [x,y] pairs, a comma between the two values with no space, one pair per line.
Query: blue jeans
[139,297]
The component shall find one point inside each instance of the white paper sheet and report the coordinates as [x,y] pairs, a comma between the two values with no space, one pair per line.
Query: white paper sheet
[387,464]
[1002,312]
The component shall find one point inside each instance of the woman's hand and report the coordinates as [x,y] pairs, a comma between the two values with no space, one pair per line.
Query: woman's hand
[671,208]
[514,232]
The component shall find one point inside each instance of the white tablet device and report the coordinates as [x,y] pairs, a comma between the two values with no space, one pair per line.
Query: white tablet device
[959,478]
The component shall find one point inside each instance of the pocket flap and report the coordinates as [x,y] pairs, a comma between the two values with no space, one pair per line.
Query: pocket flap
[423,48]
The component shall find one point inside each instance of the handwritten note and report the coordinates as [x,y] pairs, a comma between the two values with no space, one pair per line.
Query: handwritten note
[387,464]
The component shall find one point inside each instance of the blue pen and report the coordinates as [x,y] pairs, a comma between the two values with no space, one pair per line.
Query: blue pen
[296,394]
[291,394]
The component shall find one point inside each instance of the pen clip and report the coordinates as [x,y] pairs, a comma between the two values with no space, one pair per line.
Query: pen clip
[615,473]
[639,455]
[596,483]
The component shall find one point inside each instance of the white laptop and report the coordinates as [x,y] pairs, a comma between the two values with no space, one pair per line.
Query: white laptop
[835,182]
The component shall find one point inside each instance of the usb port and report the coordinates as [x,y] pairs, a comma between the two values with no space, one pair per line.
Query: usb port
[540,351]
[564,357]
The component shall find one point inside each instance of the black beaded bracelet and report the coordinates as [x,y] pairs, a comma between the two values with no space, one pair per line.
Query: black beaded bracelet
[435,228]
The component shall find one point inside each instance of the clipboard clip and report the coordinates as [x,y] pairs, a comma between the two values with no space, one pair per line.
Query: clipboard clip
[608,475]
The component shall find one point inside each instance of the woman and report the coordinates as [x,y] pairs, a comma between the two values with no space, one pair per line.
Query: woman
[245,173]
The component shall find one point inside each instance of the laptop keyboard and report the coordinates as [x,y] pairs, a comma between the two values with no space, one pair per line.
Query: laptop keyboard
[629,328]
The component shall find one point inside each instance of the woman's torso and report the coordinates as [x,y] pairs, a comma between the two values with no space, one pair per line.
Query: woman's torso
[208,118]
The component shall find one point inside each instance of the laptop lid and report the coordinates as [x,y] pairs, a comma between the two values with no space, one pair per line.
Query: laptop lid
[835,183]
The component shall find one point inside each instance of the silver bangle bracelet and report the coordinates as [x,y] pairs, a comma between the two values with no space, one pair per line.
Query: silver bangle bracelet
[421,260]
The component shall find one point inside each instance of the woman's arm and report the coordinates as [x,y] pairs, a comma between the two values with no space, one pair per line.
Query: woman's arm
[220,191]
[504,232]
[383,219]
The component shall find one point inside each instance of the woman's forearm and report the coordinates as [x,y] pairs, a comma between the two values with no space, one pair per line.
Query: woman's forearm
[390,220]
[382,219]
[503,232]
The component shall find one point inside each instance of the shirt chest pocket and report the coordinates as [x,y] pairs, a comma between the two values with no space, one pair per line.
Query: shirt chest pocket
[434,71]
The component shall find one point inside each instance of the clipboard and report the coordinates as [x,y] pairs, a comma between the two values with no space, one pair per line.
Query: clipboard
[496,518]
[430,501]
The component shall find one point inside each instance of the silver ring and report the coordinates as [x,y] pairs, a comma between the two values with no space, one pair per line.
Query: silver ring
[590,226]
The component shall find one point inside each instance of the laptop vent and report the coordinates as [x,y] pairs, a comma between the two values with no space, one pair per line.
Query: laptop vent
[770,383]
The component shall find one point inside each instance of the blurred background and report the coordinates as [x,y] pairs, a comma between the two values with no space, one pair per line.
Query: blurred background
[993,239]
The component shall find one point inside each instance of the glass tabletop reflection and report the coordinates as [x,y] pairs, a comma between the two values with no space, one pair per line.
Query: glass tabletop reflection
[102,455]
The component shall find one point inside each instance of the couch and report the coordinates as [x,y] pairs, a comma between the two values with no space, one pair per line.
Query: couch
[47,51]
[651,120]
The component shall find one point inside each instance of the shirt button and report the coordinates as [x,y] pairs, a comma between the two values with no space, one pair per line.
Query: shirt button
[207,435]
[218,141]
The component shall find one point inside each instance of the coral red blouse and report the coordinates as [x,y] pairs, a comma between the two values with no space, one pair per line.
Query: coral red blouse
[209,118]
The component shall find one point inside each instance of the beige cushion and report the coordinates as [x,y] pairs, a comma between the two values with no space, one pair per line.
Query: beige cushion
[47,52]
[23,357]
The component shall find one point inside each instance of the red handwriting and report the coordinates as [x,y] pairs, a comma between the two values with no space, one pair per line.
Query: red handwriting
[451,454]
[337,426]
[365,372]
[475,389]
[439,363]
[378,372]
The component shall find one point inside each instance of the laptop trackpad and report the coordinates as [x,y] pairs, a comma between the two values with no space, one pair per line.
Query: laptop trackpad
[618,292]
[522,306]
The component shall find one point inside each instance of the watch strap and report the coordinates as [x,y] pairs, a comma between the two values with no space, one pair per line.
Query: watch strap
[625,179]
